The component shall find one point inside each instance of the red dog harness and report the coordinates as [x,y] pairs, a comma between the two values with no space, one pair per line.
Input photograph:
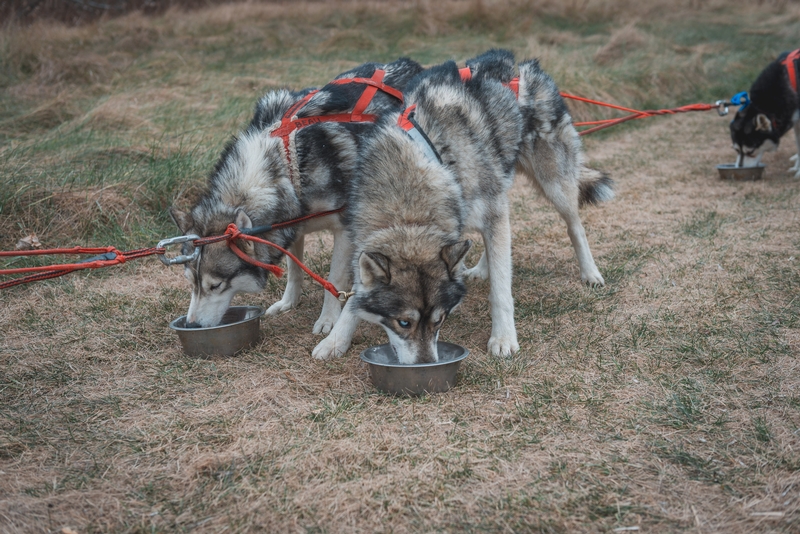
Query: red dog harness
[790,63]
[290,124]
[407,123]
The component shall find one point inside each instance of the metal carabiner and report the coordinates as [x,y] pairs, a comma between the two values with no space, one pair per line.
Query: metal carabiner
[177,241]
[722,107]
[345,295]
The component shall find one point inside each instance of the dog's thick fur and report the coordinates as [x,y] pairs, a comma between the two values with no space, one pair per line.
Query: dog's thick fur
[774,109]
[407,213]
[252,186]
[551,154]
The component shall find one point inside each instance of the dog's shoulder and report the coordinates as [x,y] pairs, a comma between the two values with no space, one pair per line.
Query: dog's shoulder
[442,75]
[400,72]
[271,107]
[337,97]
[478,109]
[497,64]
[772,84]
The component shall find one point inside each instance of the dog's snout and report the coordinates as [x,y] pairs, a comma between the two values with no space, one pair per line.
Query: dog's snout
[193,324]
[427,356]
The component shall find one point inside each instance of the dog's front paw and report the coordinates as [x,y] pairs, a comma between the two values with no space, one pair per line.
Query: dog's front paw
[330,347]
[503,346]
[282,306]
[323,324]
[594,279]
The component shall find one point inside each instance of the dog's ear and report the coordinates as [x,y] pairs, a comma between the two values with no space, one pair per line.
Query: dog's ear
[453,254]
[243,221]
[182,219]
[374,268]
[763,124]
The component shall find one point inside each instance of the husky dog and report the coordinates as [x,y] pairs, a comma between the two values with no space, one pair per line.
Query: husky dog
[416,192]
[258,181]
[551,154]
[773,110]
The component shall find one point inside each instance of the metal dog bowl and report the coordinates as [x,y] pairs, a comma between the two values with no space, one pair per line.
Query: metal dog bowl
[238,330]
[391,376]
[729,171]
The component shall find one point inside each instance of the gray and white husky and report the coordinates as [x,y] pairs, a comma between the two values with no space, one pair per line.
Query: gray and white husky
[259,181]
[419,188]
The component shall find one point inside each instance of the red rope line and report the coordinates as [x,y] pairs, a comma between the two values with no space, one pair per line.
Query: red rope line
[304,218]
[32,278]
[599,103]
[73,250]
[46,272]
[634,114]
[234,233]
[231,234]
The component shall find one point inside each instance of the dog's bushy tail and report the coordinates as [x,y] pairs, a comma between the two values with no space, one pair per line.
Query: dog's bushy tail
[594,186]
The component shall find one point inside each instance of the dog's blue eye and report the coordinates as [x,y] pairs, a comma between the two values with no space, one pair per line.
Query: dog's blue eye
[404,324]
[214,287]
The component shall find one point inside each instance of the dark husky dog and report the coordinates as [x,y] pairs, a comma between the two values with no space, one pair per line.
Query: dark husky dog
[773,110]
[271,174]
[439,169]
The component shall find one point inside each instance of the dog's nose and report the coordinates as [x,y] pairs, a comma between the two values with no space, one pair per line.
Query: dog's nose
[192,325]
[427,356]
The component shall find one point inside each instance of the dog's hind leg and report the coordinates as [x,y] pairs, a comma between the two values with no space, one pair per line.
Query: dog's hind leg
[341,335]
[294,281]
[554,165]
[796,158]
[497,239]
[340,277]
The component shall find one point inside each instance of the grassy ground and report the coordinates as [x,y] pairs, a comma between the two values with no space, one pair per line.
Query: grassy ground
[668,401]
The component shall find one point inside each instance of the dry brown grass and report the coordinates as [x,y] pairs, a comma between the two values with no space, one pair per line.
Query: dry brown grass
[668,401]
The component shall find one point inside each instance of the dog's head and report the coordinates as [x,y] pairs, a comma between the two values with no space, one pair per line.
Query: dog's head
[410,295]
[217,275]
[752,134]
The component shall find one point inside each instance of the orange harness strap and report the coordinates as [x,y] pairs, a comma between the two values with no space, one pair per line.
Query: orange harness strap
[290,124]
[513,84]
[791,67]
[407,123]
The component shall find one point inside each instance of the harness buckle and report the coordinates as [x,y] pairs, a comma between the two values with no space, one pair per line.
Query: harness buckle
[180,259]
[722,107]
[344,295]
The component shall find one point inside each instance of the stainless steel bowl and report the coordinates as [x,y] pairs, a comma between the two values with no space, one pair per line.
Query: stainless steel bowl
[239,329]
[729,171]
[391,376]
